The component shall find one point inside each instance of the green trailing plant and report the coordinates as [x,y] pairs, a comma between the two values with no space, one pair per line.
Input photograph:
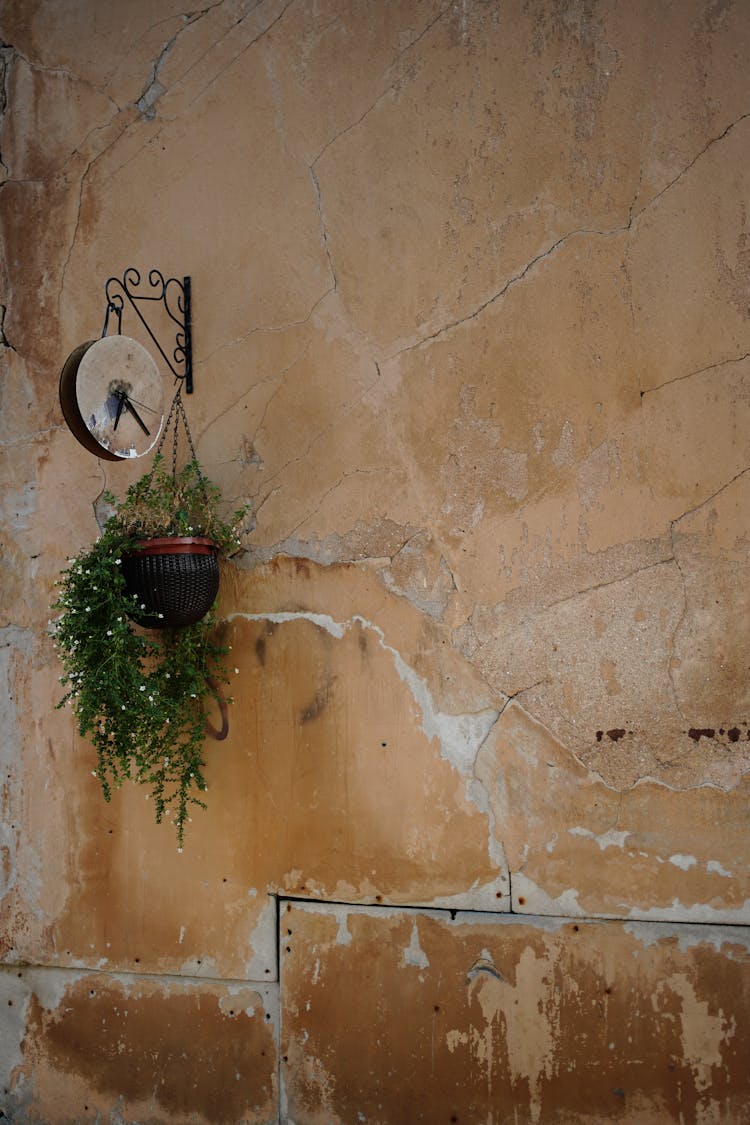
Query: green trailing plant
[139,695]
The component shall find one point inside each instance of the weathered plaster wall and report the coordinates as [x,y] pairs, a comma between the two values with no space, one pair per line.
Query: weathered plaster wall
[471,288]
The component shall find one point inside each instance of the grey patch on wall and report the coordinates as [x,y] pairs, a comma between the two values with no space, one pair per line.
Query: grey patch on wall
[380,541]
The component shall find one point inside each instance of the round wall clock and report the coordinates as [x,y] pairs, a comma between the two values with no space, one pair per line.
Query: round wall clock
[112,397]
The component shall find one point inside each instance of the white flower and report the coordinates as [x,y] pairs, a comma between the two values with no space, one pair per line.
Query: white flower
[142,687]
[88,609]
[236,671]
[109,632]
[117,562]
[93,773]
[180,850]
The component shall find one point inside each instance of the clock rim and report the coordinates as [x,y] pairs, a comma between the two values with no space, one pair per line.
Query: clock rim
[70,409]
[74,419]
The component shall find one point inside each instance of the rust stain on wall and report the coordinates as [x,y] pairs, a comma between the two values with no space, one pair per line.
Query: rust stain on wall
[180,1052]
[634,853]
[500,1019]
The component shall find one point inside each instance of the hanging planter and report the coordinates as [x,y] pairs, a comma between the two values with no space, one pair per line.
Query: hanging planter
[135,632]
[176,578]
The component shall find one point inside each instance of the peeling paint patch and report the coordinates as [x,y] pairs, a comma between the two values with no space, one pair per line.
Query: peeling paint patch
[698,912]
[528,898]
[610,839]
[688,935]
[414,954]
[684,862]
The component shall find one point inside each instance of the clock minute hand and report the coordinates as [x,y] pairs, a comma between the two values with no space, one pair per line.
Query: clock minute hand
[137,416]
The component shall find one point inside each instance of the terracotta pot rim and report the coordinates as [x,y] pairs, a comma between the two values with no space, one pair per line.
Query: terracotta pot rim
[175,545]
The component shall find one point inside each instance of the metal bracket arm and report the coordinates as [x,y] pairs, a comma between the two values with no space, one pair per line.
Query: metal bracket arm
[174,295]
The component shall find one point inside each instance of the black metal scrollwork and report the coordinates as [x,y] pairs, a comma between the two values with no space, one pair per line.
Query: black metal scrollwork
[175,296]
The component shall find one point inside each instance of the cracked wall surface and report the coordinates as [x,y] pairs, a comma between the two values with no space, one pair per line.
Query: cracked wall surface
[471,285]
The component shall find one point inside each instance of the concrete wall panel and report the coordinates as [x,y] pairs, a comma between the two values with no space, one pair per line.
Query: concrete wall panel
[395,1017]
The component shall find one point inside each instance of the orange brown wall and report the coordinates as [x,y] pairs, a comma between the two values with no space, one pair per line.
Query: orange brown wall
[471,286]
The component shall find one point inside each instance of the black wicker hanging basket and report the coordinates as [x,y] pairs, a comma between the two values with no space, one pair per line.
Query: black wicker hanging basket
[175,580]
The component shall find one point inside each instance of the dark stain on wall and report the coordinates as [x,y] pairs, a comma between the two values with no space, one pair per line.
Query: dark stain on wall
[182,1048]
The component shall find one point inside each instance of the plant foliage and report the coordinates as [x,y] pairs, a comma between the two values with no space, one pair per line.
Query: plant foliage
[138,694]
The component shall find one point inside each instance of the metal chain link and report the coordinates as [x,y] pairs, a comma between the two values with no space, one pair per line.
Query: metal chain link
[174,417]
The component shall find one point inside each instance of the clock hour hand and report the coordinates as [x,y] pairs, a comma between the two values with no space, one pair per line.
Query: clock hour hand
[137,416]
[122,398]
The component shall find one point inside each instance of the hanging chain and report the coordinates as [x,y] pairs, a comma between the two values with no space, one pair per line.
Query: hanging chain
[176,416]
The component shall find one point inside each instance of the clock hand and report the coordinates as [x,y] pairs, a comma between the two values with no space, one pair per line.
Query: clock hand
[137,417]
[142,405]
[121,400]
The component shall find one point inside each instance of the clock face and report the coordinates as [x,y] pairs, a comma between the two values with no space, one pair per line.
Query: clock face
[112,397]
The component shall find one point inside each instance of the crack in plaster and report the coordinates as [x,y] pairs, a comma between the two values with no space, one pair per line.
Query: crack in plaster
[699,371]
[344,476]
[509,284]
[268,379]
[388,90]
[323,226]
[144,112]
[515,278]
[346,411]
[678,626]
[261,34]
[153,89]
[610,582]
[531,617]
[683,172]
[353,125]
[11,52]
[268,328]
[33,436]
[708,499]
[128,125]
[673,529]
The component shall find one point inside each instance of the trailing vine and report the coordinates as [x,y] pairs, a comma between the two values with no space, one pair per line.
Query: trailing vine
[138,695]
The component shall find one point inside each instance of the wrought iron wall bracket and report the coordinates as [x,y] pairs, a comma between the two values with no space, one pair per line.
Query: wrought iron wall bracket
[174,295]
